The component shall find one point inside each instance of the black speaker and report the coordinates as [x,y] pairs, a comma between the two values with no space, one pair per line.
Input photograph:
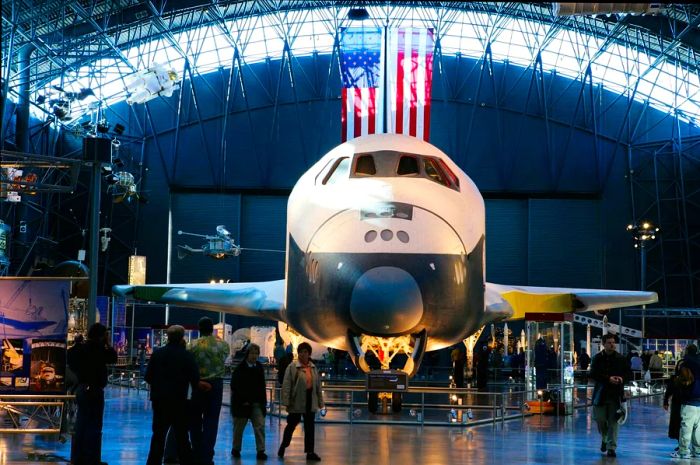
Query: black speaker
[97,149]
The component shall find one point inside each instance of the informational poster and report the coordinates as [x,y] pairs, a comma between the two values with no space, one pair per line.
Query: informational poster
[32,309]
[102,305]
[21,384]
[33,331]
[143,340]
[12,356]
[6,383]
[48,367]
[120,341]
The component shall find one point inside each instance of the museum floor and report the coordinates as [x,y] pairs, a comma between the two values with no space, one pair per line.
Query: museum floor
[535,440]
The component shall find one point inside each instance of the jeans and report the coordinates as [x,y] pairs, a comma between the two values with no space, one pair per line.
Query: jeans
[86,446]
[293,419]
[689,437]
[205,421]
[258,420]
[607,422]
[166,415]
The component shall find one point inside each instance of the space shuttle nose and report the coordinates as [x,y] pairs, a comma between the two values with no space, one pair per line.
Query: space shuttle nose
[386,300]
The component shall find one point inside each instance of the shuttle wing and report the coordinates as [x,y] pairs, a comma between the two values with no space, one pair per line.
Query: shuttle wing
[262,300]
[512,302]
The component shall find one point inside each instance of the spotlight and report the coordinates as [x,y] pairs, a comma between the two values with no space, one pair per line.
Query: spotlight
[103,126]
[119,129]
[358,14]
[61,109]
[84,93]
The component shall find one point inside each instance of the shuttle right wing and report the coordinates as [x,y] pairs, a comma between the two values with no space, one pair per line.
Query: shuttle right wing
[512,302]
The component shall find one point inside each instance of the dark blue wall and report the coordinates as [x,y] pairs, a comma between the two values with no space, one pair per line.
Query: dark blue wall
[550,154]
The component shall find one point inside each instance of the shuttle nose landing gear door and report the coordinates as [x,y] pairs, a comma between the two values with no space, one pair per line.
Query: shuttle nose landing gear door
[386,384]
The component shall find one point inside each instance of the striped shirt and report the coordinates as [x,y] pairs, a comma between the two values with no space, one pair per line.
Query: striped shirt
[210,354]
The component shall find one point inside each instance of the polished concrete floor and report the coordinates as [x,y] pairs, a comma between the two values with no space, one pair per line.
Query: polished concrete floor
[534,440]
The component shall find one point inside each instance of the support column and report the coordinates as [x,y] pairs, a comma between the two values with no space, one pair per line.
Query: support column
[588,340]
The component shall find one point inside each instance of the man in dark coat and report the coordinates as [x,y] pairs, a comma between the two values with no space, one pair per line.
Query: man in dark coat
[170,372]
[482,369]
[541,364]
[610,371]
[459,360]
[584,361]
[673,399]
[89,363]
[248,400]
[689,383]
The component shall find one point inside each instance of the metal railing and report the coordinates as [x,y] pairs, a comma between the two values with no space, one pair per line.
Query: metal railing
[346,401]
[26,413]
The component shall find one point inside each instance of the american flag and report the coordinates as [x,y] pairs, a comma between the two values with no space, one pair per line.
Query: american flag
[410,79]
[362,70]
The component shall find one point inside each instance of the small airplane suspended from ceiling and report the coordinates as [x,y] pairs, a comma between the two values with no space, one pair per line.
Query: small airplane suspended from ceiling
[220,246]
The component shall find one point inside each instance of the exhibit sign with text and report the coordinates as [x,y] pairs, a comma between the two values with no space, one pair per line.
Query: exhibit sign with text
[33,331]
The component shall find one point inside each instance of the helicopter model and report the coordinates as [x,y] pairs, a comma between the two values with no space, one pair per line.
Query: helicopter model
[220,246]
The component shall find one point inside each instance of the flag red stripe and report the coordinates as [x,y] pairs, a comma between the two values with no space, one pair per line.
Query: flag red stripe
[399,83]
[372,110]
[358,112]
[413,104]
[344,115]
[428,85]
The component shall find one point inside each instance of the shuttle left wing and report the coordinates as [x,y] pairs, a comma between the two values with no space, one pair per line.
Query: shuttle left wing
[512,302]
[262,300]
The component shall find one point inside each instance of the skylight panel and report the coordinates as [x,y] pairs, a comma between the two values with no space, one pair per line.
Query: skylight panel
[462,38]
[510,45]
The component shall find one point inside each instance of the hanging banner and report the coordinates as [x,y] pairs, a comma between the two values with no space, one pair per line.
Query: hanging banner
[410,81]
[362,73]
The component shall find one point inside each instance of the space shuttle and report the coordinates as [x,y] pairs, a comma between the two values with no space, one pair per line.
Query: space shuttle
[386,254]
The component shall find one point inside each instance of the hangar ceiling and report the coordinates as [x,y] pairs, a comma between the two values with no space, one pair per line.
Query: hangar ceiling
[96,44]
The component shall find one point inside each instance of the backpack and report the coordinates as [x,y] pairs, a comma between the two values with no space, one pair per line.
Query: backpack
[685,377]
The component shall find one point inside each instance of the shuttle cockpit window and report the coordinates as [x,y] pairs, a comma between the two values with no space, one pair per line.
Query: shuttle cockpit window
[453,178]
[338,172]
[364,166]
[391,164]
[408,166]
[435,173]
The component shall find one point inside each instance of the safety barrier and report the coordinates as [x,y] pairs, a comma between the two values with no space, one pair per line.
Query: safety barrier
[24,413]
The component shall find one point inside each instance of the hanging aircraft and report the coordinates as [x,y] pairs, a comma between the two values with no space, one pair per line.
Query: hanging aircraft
[25,326]
[220,246]
[123,187]
[385,253]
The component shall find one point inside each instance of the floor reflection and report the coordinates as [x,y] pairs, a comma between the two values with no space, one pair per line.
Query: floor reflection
[538,439]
